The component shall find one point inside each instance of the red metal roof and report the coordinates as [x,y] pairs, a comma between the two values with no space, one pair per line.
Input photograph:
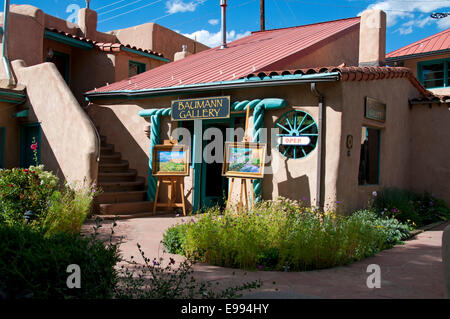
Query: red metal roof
[437,42]
[246,55]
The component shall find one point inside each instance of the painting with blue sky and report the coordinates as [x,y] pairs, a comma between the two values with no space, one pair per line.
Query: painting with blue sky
[408,20]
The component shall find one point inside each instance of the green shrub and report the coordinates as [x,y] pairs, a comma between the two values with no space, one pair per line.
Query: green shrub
[55,209]
[174,239]
[67,211]
[33,264]
[409,207]
[282,235]
[24,190]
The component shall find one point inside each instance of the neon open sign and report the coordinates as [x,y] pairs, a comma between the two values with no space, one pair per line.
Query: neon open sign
[294,140]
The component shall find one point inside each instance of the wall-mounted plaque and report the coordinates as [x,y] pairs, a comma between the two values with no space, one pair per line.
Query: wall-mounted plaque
[209,108]
[374,109]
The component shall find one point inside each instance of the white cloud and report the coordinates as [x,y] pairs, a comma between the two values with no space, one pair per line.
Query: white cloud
[213,21]
[212,39]
[411,13]
[174,6]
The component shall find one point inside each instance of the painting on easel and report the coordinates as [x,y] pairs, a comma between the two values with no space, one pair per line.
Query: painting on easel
[244,160]
[170,160]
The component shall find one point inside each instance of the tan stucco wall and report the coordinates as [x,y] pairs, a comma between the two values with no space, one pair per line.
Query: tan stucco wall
[294,179]
[11,127]
[430,145]
[26,31]
[395,161]
[69,144]
[344,49]
[157,38]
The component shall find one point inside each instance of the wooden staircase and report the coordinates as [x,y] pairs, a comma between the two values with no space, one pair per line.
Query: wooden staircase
[123,193]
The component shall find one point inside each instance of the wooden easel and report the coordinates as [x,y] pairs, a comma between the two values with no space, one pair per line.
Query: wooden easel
[175,182]
[172,193]
[243,180]
[241,204]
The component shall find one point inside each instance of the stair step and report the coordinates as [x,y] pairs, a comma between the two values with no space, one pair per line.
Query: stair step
[126,208]
[112,158]
[113,167]
[137,215]
[120,197]
[137,185]
[127,176]
[106,149]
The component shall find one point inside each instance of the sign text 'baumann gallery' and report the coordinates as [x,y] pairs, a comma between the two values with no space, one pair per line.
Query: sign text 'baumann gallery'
[201,109]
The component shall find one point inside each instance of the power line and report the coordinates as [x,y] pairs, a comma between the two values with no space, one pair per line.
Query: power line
[108,5]
[292,12]
[133,10]
[280,12]
[115,9]
[353,7]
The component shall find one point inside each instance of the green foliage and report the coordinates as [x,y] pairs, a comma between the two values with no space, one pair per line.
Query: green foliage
[409,207]
[22,190]
[174,239]
[282,235]
[67,211]
[153,280]
[35,265]
[56,209]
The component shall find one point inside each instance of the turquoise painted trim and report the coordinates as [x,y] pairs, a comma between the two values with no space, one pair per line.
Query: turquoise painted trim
[19,95]
[2,146]
[174,90]
[1,30]
[420,75]
[67,40]
[258,107]
[11,101]
[197,149]
[144,54]
[23,113]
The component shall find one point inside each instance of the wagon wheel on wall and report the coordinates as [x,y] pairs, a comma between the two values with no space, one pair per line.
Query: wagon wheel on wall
[297,124]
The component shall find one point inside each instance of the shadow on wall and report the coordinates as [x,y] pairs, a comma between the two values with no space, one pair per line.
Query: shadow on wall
[296,189]
[118,135]
[49,159]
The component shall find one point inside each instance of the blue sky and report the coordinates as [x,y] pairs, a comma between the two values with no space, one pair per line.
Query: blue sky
[408,20]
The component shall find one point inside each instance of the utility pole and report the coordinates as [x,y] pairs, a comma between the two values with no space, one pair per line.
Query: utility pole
[262,15]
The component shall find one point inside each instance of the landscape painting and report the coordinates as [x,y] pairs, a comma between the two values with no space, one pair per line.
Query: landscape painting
[244,160]
[170,160]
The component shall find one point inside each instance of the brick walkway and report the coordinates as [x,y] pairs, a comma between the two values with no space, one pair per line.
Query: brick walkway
[413,270]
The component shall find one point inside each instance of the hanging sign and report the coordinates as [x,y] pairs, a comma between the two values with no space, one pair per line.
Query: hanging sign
[209,108]
[294,140]
[375,110]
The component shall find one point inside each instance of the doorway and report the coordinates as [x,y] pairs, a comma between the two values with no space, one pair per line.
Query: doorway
[214,186]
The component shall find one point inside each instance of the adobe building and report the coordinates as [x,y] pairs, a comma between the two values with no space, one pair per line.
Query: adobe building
[428,59]
[368,125]
[50,64]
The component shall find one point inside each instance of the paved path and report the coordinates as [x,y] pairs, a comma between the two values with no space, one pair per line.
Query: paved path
[413,270]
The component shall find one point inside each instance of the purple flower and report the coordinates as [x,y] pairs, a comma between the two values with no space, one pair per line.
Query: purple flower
[394,210]
[260,267]
[338,202]
[155,263]
[304,198]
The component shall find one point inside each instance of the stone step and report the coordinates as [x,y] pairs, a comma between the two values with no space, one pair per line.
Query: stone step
[136,185]
[127,176]
[136,215]
[126,208]
[106,149]
[121,166]
[112,158]
[121,197]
